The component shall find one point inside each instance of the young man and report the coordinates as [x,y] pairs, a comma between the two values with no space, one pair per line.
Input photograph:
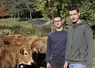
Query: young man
[56,45]
[80,47]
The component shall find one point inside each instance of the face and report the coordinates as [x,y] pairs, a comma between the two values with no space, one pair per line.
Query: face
[57,22]
[74,15]
[25,56]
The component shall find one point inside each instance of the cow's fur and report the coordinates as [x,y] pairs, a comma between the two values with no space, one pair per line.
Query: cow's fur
[16,39]
[39,45]
[12,47]
[12,55]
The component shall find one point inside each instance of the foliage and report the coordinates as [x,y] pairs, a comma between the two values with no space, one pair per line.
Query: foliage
[18,7]
[51,7]
[86,7]
[88,10]
[3,9]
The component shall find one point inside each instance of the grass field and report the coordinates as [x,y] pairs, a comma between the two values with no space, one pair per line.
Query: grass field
[26,28]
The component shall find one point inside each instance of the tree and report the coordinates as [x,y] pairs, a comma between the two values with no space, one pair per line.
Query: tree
[12,9]
[3,8]
[51,7]
[19,6]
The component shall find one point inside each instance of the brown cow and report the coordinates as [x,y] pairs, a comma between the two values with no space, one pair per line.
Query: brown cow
[13,39]
[36,43]
[39,44]
[44,39]
[12,55]
[30,39]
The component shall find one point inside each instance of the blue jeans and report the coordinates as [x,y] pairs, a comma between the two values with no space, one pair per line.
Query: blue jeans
[77,66]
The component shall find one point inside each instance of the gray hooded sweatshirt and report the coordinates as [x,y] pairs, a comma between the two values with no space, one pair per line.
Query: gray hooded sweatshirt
[80,47]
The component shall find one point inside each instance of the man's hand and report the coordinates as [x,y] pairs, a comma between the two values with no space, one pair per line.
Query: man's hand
[65,64]
[48,65]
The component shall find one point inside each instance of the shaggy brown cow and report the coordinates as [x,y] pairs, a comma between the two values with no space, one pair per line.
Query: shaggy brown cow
[39,44]
[39,49]
[13,39]
[30,39]
[36,43]
[12,55]
[44,39]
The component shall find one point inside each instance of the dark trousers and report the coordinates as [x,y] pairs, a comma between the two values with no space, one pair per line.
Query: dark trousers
[57,63]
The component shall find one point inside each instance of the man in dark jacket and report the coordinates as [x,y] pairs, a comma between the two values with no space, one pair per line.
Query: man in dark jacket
[56,45]
[80,47]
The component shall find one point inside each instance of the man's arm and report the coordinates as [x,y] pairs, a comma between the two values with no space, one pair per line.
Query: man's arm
[48,52]
[90,44]
[66,56]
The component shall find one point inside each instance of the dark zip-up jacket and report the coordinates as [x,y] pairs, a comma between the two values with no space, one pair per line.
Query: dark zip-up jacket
[80,47]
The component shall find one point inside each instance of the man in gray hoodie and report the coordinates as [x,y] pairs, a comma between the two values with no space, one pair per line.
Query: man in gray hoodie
[80,47]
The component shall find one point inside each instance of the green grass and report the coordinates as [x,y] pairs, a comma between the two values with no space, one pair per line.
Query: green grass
[12,21]
[24,27]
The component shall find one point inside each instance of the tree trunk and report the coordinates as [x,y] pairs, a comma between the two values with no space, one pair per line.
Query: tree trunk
[30,14]
[18,15]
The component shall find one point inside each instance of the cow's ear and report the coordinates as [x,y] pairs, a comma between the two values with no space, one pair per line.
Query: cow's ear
[22,51]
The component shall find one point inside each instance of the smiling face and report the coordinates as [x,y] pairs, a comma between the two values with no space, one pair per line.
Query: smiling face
[58,22]
[74,15]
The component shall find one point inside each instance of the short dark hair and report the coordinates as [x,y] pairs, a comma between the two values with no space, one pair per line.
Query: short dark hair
[72,7]
[57,15]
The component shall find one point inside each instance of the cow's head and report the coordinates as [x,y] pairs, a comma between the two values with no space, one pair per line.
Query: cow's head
[39,45]
[25,56]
